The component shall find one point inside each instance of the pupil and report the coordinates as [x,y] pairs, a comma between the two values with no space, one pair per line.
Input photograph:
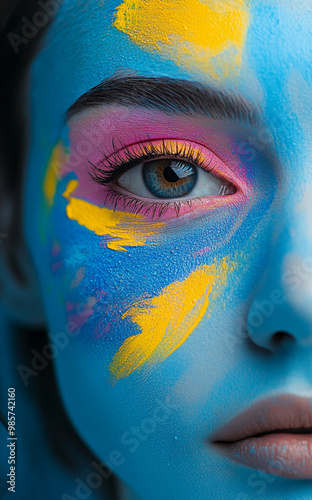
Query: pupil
[170,175]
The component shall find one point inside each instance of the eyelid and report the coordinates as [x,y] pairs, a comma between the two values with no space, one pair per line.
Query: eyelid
[113,166]
[110,167]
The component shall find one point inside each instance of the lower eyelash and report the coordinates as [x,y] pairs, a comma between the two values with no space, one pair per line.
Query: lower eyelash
[136,206]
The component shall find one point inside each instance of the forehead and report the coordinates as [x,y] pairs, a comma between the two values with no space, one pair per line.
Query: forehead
[254,46]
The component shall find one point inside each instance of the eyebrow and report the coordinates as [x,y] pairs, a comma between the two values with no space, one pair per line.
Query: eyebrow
[169,95]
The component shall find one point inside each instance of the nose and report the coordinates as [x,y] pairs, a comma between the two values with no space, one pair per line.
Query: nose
[282,307]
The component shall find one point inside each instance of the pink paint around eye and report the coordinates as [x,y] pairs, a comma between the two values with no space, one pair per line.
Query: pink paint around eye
[96,134]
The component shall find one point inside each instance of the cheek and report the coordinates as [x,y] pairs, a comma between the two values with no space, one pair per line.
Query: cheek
[132,303]
[133,306]
[132,291]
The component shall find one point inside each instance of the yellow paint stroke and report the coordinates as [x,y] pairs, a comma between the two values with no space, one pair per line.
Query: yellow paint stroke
[56,162]
[124,228]
[208,35]
[167,320]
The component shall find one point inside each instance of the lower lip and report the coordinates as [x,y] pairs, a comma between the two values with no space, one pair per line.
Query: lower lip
[282,454]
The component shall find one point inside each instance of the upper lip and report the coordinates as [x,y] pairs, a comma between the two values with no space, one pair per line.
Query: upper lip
[283,413]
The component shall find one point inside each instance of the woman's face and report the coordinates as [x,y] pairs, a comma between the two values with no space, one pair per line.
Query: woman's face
[175,297]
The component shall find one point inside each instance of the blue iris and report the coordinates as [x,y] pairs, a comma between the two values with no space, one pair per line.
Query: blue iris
[169,178]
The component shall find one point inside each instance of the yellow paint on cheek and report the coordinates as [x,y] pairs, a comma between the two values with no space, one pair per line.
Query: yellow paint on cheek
[207,35]
[167,320]
[57,161]
[125,229]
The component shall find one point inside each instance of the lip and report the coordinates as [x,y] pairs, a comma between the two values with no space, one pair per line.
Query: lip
[280,449]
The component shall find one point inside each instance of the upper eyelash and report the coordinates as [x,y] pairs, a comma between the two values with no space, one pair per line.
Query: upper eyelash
[116,164]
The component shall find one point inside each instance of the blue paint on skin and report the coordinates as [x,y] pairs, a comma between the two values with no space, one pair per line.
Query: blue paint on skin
[216,372]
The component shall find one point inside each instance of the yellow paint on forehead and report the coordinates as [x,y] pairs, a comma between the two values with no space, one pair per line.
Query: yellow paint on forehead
[124,229]
[56,162]
[205,35]
[168,319]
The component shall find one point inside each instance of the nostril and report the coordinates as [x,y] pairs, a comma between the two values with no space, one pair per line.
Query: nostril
[279,337]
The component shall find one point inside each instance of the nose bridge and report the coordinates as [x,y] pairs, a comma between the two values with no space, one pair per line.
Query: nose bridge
[283,302]
[295,243]
[296,253]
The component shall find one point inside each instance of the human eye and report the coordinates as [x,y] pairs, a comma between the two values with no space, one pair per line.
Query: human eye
[160,176]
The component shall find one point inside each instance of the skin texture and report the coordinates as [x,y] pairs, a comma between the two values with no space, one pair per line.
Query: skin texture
[105,287]
[187,21]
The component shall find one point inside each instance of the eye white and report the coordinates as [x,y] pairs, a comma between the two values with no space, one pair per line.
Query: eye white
[207,184]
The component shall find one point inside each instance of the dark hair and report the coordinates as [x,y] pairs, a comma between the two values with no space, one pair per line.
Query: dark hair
[64,442]
[14,66]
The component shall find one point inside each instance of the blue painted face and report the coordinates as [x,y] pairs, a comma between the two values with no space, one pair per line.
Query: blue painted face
[163,310]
